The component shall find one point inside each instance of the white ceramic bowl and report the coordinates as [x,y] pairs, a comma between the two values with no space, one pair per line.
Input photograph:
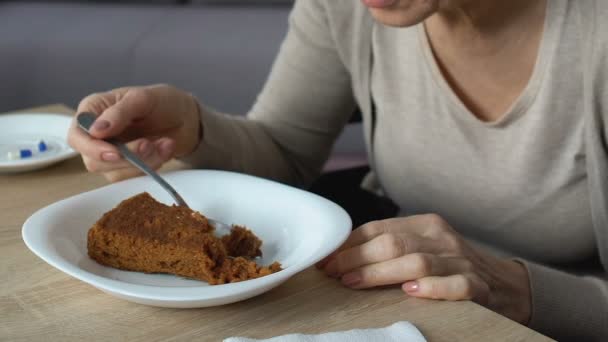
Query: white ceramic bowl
[298,229]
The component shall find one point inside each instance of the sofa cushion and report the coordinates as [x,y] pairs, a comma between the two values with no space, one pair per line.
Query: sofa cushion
[60,52]
[63,51]
[139,2]
[222,54]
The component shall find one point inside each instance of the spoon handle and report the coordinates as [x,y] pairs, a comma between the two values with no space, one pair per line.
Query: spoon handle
[86,120]
[131,157]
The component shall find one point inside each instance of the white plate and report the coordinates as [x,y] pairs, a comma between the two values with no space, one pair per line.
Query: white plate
[297,229]
[26,131]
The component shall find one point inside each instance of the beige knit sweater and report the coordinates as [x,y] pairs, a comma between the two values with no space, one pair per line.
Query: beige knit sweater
[332,61]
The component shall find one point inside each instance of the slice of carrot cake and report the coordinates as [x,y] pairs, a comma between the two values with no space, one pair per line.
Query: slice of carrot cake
[142,234]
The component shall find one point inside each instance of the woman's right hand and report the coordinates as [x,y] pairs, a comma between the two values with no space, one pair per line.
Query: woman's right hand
[156,122]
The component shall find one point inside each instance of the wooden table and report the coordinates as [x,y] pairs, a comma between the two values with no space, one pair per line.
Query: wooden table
[40,303]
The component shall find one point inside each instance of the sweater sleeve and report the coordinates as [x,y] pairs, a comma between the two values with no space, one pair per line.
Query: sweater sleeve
[303,107]
[573,305]
[567,306]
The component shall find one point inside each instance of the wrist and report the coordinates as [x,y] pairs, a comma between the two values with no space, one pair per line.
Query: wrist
[193,125]
[520,291]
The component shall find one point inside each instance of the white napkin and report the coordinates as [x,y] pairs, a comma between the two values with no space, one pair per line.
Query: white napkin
[398,332]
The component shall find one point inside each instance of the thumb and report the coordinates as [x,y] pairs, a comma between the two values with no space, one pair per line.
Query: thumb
[135,104]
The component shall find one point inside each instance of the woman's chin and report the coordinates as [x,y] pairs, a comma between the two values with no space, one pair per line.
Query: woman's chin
[379,3]
[401,13]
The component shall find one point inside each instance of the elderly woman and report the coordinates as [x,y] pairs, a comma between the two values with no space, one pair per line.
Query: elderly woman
[484,122]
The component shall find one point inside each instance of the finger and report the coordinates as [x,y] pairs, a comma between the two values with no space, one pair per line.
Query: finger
[403,269]
[323,263]
[122,174]
[90,147]
[431,226]
[166,149]
[143,148]
[416,224]
[162,152]
[98,102]
[381,248]
[132,106]
[453,287]
[360,235]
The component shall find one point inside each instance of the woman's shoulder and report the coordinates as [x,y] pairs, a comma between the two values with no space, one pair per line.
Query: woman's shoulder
[593,14]
[601,22]
[344,24]
[589,19]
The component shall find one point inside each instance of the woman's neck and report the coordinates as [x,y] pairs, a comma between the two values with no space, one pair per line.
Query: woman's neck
[487,51]
[486,25]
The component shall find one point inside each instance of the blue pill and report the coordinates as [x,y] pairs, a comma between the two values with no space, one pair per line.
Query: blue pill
[25,153]
[42,146]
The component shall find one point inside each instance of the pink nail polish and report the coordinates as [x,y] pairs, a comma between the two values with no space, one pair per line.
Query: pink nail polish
[101,125]
[110,156]
[145,148]
[351,279]
[166,147]
[411,286]
[332,269]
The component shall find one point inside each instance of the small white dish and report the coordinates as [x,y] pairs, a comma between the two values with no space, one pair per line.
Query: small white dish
[297,229]
[25,131]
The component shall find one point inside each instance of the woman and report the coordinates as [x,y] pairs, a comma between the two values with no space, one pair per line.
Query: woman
[482,119]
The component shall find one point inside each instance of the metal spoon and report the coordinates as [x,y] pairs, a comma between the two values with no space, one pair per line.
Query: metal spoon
[85,122]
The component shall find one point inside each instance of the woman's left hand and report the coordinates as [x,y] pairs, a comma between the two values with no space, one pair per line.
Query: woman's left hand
[430,260]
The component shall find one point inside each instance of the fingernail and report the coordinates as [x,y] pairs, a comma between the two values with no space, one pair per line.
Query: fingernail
[110,156]
[324,262]
[411,286]
[166,147]
[332,269]
[351,279]
[145,148]
[101,125]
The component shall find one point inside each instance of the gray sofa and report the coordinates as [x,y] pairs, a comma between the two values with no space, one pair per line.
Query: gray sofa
[222,51]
